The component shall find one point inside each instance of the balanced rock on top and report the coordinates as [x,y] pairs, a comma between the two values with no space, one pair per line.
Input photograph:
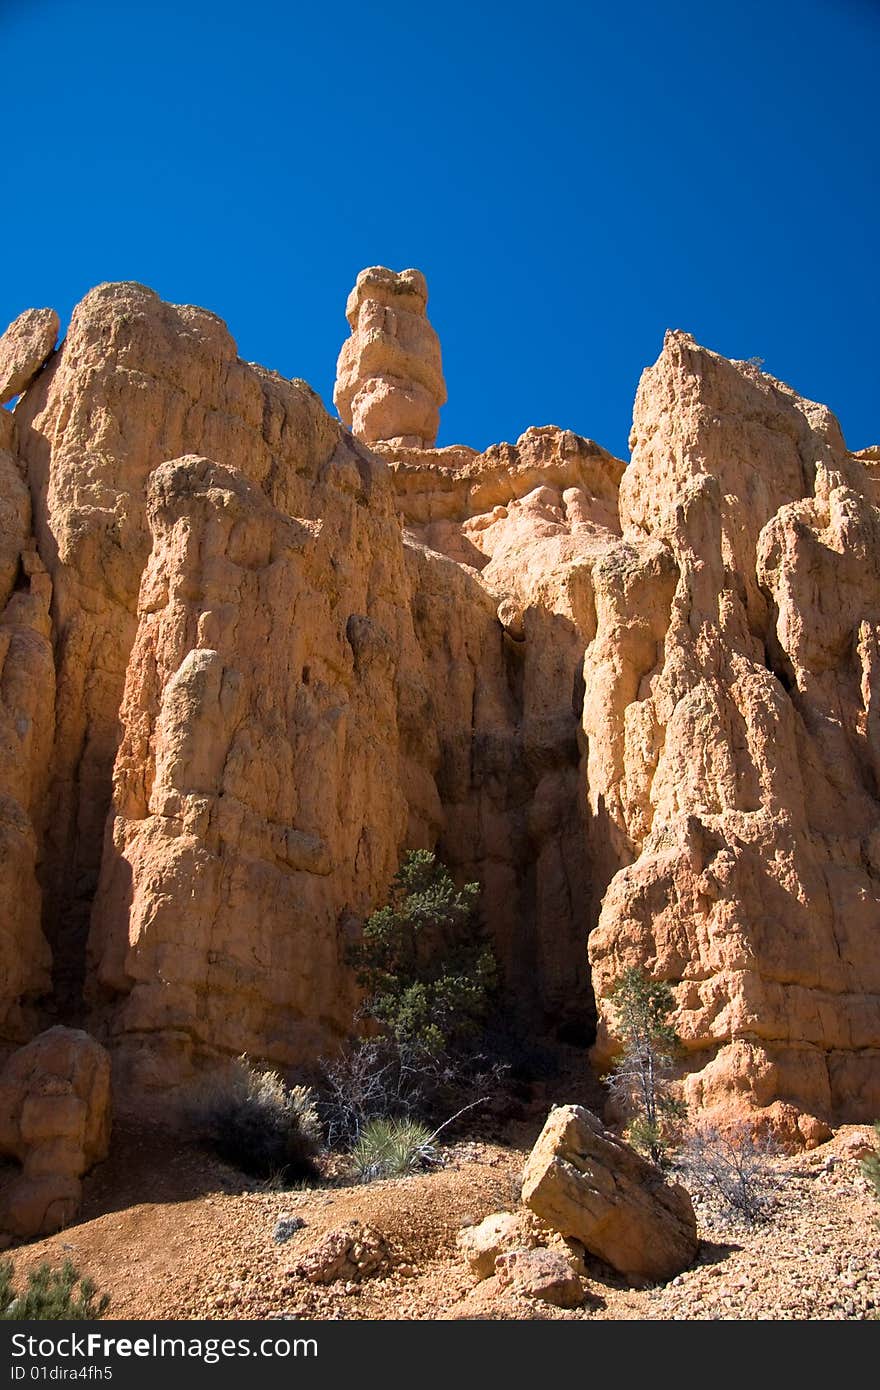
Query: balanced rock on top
[389,378]
[24,348]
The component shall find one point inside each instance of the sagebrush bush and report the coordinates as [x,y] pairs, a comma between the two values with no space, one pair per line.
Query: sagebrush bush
[391,1148]
[257,1122]
[734,1170]
[55,1294]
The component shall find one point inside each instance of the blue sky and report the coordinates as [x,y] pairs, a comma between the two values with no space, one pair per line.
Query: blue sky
[572,178]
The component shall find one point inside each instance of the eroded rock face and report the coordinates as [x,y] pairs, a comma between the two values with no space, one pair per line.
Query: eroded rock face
[27,689]
[733,742]
[55,1121]
[389,380]
[388,713]
[24,347]
[528,521]
[246,660]
[257,793]
[584,1182]
[137,382]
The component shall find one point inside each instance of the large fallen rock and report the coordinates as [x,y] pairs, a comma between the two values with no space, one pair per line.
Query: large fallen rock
[589,1185]
[24,348]
[55,1120]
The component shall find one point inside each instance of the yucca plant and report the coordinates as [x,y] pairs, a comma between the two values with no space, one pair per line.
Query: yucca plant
[391,1148]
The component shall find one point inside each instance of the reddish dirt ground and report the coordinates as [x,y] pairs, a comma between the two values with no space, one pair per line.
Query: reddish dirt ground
[170,1232]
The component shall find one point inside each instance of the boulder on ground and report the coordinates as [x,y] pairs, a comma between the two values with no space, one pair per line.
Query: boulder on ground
[589,1185]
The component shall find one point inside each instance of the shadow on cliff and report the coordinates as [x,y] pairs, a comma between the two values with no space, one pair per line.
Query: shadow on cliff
[524,770]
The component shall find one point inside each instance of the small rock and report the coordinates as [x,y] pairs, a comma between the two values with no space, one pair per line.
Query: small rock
[348,1252]
[285,1227]
[813,1131]
[55,1092]
[541,1274]
[482,1244]
[510,616]
[858,1146]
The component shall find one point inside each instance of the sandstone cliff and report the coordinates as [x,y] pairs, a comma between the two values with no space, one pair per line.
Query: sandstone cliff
[639,703]
[733,740]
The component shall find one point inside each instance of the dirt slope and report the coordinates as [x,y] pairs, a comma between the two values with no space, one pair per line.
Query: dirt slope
[201,1244]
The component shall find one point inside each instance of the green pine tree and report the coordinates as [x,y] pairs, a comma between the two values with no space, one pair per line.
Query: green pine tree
[424,963]
[641,1074]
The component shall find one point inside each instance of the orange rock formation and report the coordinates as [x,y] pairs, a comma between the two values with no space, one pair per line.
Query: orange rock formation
[250,655]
